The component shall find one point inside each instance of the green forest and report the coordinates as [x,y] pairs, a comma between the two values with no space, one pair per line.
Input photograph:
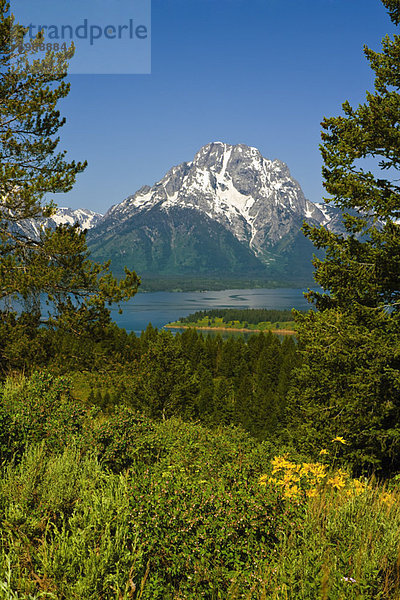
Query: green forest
[192,467]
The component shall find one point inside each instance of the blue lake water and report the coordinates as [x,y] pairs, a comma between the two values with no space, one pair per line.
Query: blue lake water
[161,308]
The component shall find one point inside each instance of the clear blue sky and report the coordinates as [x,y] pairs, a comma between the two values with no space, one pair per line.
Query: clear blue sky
[259,72]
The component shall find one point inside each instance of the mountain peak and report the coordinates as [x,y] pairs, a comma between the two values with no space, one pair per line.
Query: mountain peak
[254,197]
[229,206]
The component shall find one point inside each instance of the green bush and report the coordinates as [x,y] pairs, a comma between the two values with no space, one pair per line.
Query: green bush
[37,408]
[187,518]
[202,538]
[129,440]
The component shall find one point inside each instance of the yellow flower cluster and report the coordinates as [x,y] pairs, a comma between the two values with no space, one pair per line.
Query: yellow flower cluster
[388,498]
[297,481]
[338,438]
[307,479]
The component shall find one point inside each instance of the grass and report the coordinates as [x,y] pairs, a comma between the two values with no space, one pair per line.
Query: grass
[72,529]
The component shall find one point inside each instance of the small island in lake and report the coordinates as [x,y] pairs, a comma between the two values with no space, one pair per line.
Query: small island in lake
[244,320]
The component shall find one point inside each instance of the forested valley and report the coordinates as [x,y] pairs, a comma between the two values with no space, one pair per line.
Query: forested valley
[165,467]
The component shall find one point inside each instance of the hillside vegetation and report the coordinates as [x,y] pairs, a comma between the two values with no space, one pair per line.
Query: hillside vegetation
[127,507]
[169,468]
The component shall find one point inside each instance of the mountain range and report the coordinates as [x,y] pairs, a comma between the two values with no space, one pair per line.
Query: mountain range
[85,218]
[229,213]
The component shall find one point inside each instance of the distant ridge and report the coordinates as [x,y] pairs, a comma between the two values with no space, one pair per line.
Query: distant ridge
[85,218]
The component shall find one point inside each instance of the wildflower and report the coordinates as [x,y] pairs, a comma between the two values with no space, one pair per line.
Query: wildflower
[311,493]
[316,470]
[338,438]
[280,482]
[290,476]
[280,463]
[291,492]
[387,498]
[349,579]
[324,451]
[337,481]
[264,479]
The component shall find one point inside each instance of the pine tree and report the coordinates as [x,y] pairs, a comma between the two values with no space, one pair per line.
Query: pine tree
[349,384]
[244,409]
[205,400]
[54,264]
[166,384]
[223,402]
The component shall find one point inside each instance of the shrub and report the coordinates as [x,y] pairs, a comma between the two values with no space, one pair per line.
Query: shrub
[38,408]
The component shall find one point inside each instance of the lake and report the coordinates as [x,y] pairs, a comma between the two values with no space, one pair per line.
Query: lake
[161,308]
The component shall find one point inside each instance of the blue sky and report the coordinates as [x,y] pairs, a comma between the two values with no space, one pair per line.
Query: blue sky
[259,72]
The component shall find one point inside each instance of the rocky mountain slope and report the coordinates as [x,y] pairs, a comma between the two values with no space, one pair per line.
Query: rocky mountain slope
[228,212]
[84,217]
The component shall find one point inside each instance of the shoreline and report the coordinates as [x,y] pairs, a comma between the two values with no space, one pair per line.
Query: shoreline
[237,330]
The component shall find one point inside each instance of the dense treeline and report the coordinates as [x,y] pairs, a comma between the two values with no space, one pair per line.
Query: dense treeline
[150,283]
[205,379]
[189,375]
[255,384]
[243,315]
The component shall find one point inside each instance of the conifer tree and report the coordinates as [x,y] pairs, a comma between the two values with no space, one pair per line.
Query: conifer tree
[349,384]
[54,264]
[205,400]
[223,402]
[244,411]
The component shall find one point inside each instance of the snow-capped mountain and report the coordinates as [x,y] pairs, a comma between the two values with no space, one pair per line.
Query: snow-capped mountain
[84,217]
[229,208]
[252,196]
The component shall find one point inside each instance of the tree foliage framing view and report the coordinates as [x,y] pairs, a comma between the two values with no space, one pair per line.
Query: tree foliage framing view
[349,384]
[53,268]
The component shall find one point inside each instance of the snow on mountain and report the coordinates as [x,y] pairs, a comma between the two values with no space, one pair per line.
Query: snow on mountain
[253,197]
[86,219]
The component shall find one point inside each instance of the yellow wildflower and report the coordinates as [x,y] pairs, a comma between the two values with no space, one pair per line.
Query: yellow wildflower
[359,487]
[311,493]
[280,463]
[291,476]
[336,482]
[338,438]
[317,470]
[264,479]
[291,492]
[387,498]
[280,482]
[324,451]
